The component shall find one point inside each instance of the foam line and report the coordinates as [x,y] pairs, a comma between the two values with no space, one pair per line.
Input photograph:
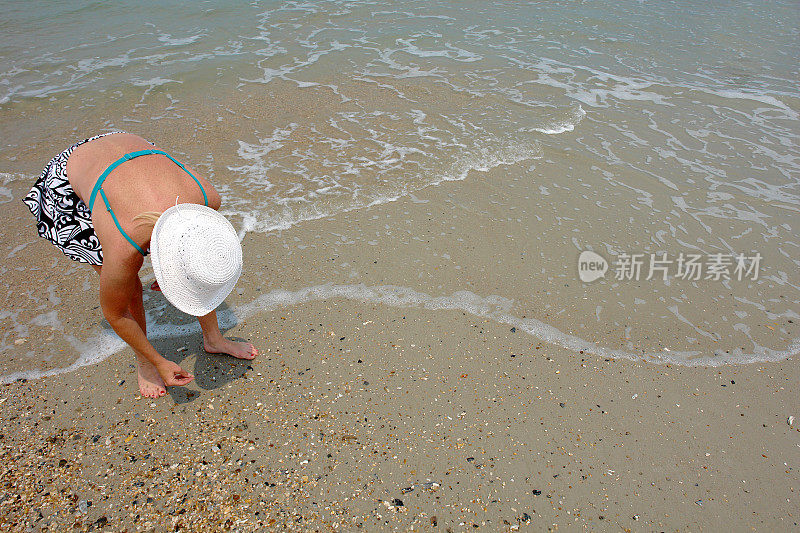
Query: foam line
[494,308]
[482,160]
[497,308]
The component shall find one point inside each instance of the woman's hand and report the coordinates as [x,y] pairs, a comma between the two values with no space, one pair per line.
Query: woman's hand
[173,375]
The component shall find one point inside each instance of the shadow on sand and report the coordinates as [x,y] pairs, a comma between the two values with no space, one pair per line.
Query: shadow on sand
[211,371]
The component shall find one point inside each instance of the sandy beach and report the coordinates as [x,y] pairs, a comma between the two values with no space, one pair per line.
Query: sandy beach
[360,415]
[410,421]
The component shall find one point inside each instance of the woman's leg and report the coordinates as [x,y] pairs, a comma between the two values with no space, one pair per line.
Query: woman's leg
[214,342]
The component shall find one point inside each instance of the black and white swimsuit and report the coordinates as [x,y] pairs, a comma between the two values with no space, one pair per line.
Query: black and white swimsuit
[61,217]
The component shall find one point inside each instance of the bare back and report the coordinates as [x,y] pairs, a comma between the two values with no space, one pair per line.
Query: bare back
[147,183]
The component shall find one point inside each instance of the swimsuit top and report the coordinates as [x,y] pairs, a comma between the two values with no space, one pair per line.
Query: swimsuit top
[98,187]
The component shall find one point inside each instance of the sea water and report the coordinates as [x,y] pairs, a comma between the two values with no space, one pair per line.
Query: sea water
[652,130]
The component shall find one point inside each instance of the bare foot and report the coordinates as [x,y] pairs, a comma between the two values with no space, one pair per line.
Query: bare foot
[150,383]
[239,350]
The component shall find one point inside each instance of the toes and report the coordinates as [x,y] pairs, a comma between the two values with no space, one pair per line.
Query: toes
[152,392]
[251,351]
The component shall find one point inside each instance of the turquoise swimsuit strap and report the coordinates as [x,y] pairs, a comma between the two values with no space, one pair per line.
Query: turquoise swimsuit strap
[98,187]
[114,217]
[133,155]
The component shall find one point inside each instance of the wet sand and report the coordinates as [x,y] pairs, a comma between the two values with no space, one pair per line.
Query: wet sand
[364,416]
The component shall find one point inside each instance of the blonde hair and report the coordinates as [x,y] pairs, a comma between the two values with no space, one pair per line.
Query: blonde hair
[148,218]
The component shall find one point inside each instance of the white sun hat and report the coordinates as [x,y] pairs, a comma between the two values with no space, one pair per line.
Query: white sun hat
[196,256]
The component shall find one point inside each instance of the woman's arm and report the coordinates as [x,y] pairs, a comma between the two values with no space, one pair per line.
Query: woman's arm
[118,286]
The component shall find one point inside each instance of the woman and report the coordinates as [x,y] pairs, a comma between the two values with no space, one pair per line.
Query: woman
[98,202]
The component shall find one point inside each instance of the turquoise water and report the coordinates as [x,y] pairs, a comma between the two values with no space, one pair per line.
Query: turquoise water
[52,47]
[625,127]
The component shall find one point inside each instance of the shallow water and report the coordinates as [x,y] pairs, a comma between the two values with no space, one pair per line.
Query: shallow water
[527,134]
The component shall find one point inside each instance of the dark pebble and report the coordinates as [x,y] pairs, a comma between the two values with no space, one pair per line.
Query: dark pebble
[470,459]
[526,517]
[513,330]
[536,492]
[397,502]
[562,404]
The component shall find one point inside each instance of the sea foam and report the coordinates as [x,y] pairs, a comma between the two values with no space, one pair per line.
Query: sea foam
[495,308]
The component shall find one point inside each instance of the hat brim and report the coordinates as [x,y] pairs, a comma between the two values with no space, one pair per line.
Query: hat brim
[166,258]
